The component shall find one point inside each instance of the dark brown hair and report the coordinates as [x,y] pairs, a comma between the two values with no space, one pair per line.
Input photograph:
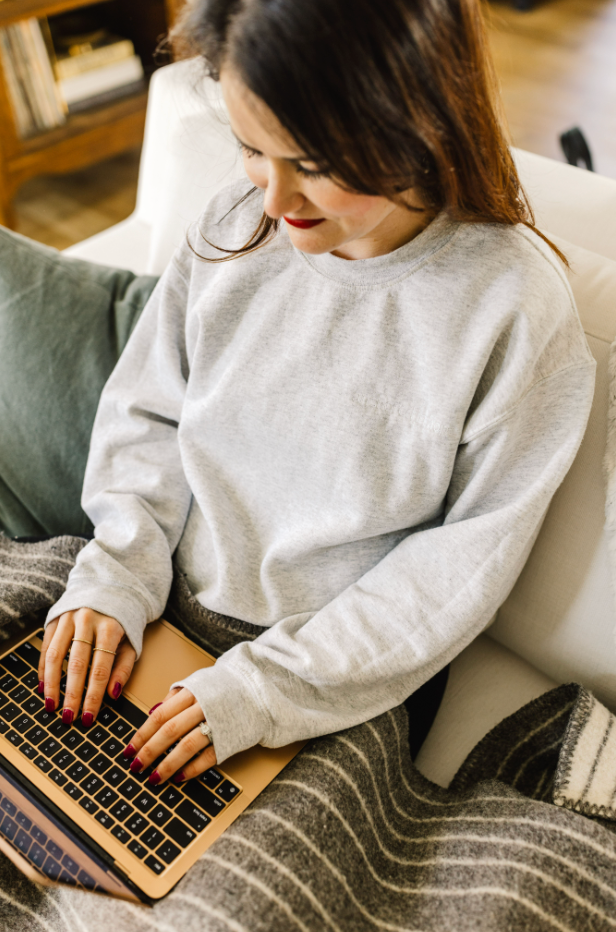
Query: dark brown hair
[385,95]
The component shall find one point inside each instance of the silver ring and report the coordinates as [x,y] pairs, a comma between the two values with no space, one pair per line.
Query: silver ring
[206,731]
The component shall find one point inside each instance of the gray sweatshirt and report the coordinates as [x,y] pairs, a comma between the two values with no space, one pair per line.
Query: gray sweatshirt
[357,455]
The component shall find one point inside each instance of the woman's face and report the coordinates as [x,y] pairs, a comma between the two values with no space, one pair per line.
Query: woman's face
[352,226]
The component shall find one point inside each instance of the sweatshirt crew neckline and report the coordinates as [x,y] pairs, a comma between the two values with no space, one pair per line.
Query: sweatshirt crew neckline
[399,263]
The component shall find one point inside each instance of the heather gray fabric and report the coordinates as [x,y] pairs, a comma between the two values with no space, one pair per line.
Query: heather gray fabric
[63,325]
[356,455]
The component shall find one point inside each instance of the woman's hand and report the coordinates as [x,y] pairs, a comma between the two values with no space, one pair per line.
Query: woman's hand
[85,635]
[175,719]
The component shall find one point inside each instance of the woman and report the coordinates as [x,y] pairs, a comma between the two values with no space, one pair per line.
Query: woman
[350,399]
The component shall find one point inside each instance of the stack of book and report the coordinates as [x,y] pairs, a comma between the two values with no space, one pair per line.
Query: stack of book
[49,79]
[35,97]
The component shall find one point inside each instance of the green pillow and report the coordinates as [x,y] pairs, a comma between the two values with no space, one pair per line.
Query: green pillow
[63,325]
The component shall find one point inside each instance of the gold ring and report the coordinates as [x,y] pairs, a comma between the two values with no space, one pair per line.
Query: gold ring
[83,641]
[105,651]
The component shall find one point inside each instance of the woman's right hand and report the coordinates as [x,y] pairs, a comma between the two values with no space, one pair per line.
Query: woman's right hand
[84,635]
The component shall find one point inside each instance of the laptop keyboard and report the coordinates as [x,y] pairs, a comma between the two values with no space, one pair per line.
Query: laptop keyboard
[156,823]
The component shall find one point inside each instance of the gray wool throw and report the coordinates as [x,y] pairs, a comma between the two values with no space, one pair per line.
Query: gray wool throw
[33,577]
[352,838]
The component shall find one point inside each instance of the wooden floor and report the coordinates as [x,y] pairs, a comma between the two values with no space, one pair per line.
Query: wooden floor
[556,63]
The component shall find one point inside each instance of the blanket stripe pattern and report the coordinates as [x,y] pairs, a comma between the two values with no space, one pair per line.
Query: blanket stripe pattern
[352,838]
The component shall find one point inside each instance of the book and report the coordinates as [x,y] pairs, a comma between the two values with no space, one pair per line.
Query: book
[22,113]
[115,49]
[32,88]
[99,80]
[108,97]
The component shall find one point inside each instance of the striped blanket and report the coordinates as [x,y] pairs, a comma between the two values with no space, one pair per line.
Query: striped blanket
[352,838]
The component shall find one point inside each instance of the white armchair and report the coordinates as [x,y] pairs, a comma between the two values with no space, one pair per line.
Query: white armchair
[558,623]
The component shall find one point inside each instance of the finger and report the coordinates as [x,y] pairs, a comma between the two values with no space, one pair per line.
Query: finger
[159,718]
[50,630]
[122,668]
[193,768]
[179,734]
[104,652]
[172,692]
[57,650]
[78,663]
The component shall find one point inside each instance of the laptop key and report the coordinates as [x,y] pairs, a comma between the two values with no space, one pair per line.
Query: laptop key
[39,835]
[195,817]
[154,865]
[168,852]
[7,682]
[31,680]
[9,828]
[63,759]
[8,806]
[171,797]
[86,880]
[113,747]
[144,802]
[32,705]
[54,850]
[72,739]
[121,811]
[43,717]
[69,864]
[136,824]
[3,727]
[22,723]
[106,716]
[10,711]
[15,665]
[22,841]
[115,776]
[92,784]
[106,797]
[151,838]
[89,805]
[121,729]
[30,653]
[98,734]
[58,729]
[28,750]
[24,821]
[129,788]
[159,816]
[211,778]
[78,771]
[120,833]
[180,833]
[50,747]
[19,693]
[52,869]
[43,764]
[58,777]
[130,712]
[138,850]
[105,819]
[86,751]
[100,764]
[36,734]
[14,738]
[203,798]
[73,790]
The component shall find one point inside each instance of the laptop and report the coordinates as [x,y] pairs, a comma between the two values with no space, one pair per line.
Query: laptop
[72,813]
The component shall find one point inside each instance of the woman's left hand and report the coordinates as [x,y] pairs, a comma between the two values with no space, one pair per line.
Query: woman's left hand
[175,719]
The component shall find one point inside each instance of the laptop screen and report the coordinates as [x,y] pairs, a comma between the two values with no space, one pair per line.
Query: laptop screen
[52,852]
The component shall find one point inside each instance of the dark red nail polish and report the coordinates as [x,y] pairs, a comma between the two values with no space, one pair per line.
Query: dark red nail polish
[41,688]
[129,751]
[136,766]
[67,717]
[87,718]
[154,778]
[117,689]
[154,707]
[179,777]
[50,705]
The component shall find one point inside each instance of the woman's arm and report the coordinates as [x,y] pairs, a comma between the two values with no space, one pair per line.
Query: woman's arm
[136,494]
[385,635]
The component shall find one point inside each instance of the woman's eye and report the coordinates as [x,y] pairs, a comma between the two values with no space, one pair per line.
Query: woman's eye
[312,172]
[247,151]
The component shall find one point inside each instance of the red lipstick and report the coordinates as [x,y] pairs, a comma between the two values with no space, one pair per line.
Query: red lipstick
[304,224]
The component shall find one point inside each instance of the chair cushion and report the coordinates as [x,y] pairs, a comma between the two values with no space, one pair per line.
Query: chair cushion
[560,615]
[486,683]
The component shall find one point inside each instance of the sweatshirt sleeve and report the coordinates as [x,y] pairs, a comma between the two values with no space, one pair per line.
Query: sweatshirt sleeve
[412,613]
[135,491]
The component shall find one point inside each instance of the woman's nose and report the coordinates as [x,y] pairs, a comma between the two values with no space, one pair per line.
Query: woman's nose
[282,195]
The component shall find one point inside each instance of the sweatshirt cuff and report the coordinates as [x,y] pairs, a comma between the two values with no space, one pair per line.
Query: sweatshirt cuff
[230,707]
[115,601]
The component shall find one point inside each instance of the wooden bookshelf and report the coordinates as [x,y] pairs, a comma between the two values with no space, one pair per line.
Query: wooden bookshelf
[90,136]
